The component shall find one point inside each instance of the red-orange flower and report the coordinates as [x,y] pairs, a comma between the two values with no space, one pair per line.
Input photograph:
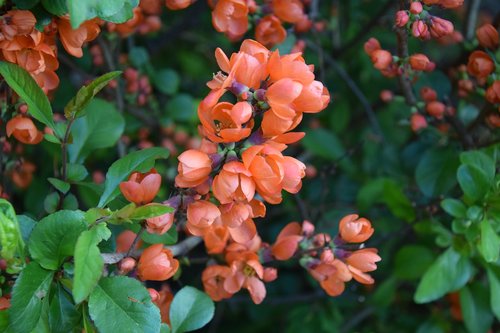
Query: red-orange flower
[201,214]
[141,188]
[213,278]
[420,62]
[194,168]
[246,272]
[24,130]
[160,224]
[166,298]
[231,18]
[73,39]
[480,64]
[226,122]
[361,261]
[353,229]
[287,241]
[381,59]
[233,183]
[157,264]
[291,11]
[177,4]
[270,31]
[493,92]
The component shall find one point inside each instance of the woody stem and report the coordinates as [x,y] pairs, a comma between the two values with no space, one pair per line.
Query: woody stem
[134,243]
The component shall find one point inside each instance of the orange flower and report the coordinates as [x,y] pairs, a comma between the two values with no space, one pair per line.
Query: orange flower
[160,224]
[194,168]
[246,272]
[355,230]
[157,264]
[177,4]
[4,303]
[213,278]
[73,39]
[22,175]
[334,284]
[151,7]
[361,261]
[201,214]
[24,130]
[480,64]
[269,31]
[493,92]
[287,242]
[16,22]
[216,238]
[487,36]
[226,122]
[231,18]
[291,11]
[233,183]
[141,188]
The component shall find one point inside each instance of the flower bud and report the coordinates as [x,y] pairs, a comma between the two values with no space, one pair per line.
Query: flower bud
[418,122]
[371,45]
[436,109]
[402,18]
[141,188]
[127,264]
[381,59]
[194,168]
[440,27]
[419,62]
[480,64]
[353,229]
[24,130]
[420,30]
[428,94]
[270,274]
[157,264]
[493,93]
[155,295]
[487,36]
[416,7]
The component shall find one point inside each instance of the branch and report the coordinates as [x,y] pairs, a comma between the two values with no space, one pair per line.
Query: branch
[471,19]
[178,249]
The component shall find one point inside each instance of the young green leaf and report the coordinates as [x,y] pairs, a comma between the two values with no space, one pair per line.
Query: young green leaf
[454,207]
[31,288]
[88,261]
[141,160]
[489,244]
[55,236]
[449,272]
[494,279]
[59,185]
[76,106]
[150,210]
[473,181]
[190,310]
[63,315]
[27,88]
[122,304]
[11,240]
[474,305]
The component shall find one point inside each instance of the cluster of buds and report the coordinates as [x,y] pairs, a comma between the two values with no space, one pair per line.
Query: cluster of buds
[232,18]
[146,19]
[390,65]
[421,23]
[35,51]
[137,85]
[435,110]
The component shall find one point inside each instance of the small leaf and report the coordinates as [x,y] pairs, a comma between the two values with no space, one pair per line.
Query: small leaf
[76,172]
[31,288]
[150,210]
[88,262]
[190,310]
[59,185]
[454,207]
[435,172]
[473,181]
[476,314]
[77,104]
[142,160]
[494,279]
[55,236]
[56,7]
[27,88]
[122,304]
[168,238]
[489,244]
[449,272]
[167,81]
[412,261]
[102,127]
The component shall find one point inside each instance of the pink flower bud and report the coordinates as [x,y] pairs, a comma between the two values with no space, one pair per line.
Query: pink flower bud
[126,265]
[416,7]
[402,18]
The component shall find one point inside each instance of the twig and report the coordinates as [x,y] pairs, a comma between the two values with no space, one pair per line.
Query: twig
[471,19]
[358,318]
[178,249]
[134,243]
[355,89]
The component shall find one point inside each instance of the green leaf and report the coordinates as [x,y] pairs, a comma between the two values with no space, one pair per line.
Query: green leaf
[181,107]
[435,174]
[56,7]
[454,207]
[26,4]
[138,56]
[100,128]
[412,261]
[164,328]
[489,244]
[117,11]
[76,172]
[63,316]
[449,272]
[55,236]
[481,161]
[11,240]
[473,181]
[88,261]
[31,288]
[323,143]
[494,279]
[122,304]
[77,104]
[150,210]
[475,311]
[142,161]
[27,88]
[59,185]
[190,310]
[167,81]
